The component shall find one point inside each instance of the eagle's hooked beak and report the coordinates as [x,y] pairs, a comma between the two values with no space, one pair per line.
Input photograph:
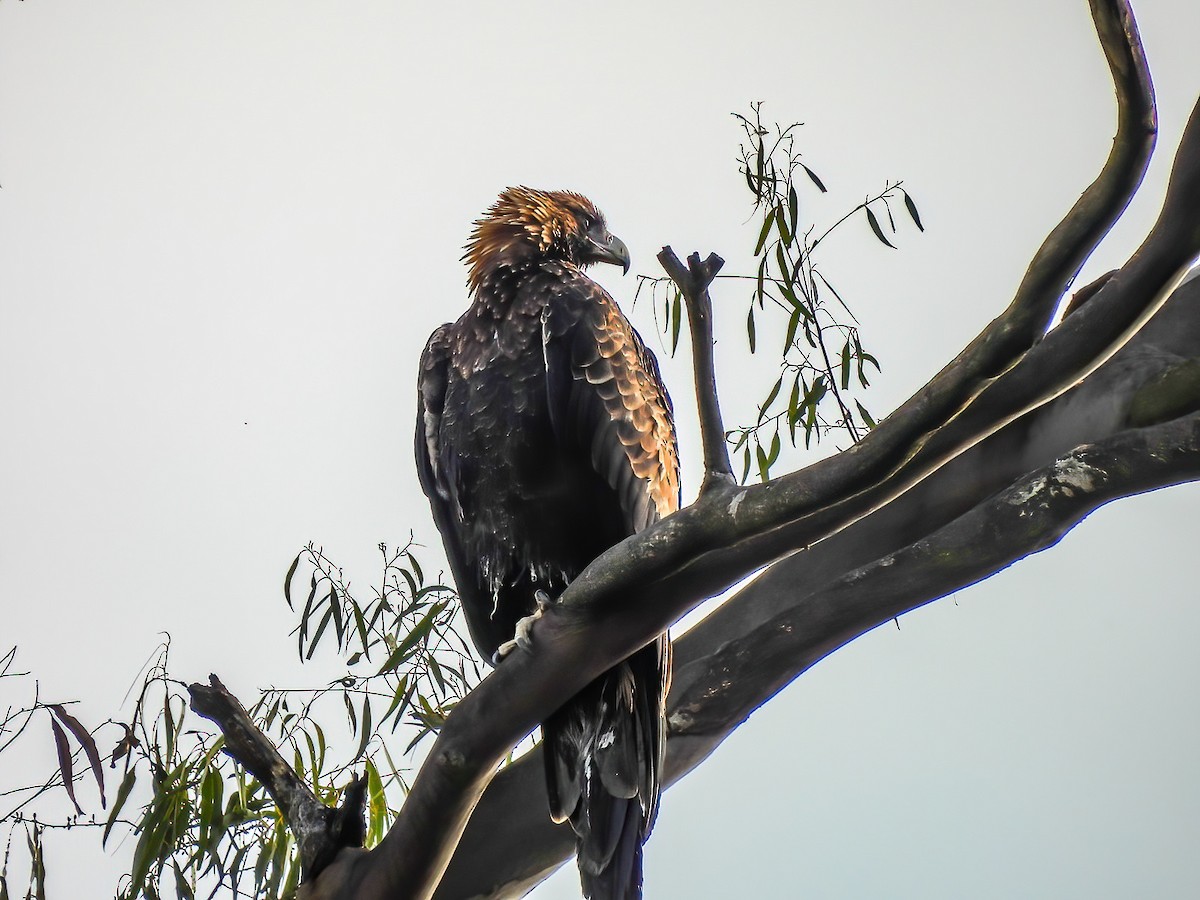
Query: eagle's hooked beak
[608,248]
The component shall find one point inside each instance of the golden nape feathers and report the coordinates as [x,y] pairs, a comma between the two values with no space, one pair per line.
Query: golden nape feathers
[523,223]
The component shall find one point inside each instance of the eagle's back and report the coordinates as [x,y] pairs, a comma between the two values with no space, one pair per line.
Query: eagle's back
[545,437]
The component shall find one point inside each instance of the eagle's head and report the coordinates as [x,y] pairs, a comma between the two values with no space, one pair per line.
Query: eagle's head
[527,225]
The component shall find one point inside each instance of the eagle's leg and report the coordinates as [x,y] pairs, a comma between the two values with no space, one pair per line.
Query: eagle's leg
[523,636]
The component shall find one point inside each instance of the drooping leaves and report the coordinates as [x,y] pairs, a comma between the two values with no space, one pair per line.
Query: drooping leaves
[823,360]
[123,790]
[287,580]
[912,210]
[814,179]
[87,742]
[65,767]
[873,221]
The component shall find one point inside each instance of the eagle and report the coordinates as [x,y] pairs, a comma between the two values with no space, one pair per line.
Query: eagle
[545,436]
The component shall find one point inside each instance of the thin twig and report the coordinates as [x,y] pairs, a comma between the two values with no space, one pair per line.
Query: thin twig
[693,282]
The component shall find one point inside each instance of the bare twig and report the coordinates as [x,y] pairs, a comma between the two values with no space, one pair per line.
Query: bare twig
[693,282]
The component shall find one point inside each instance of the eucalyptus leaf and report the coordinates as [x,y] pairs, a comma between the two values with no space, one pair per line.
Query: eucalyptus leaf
[912,210]
[874,223]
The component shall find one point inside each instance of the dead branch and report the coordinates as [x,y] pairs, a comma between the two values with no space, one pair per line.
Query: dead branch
[320,832]
[693,283]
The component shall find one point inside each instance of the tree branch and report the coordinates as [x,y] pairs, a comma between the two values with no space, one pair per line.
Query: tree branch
[1069,353]
[636,589]
[514,845]
[510,843]
[1029,516]
[693,283]
[320,832]
[1068,246]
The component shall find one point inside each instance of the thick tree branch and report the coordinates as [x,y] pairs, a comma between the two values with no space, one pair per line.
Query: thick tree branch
[638,588]
[510,843]
[1054,265]
[1148,375]
[515,845]
[693,282]
[780,516]
[320,832]
[1029,516]
[1068,246]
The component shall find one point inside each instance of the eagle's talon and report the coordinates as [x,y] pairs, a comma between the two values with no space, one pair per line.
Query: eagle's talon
[523,636]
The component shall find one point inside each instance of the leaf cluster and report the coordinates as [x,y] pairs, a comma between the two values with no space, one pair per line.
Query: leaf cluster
[823,366]
[209,823]
[203,826]
[206,826]
[77,756]
[403,649]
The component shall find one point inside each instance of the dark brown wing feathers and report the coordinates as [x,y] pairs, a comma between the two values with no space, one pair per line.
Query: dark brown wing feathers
[436,472]
[606,396]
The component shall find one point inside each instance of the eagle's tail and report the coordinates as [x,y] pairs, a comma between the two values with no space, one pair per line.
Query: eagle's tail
[603,753]
[622,878]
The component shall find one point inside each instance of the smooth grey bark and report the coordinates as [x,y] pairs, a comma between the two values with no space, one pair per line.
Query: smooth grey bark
[639,587]
[1022,488]
[634,590]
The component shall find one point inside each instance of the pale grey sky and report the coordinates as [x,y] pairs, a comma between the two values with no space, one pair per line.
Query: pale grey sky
[227,229]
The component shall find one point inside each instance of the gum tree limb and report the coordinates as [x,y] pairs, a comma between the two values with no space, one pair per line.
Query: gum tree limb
[723,668]
[320,831]
[638,588]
